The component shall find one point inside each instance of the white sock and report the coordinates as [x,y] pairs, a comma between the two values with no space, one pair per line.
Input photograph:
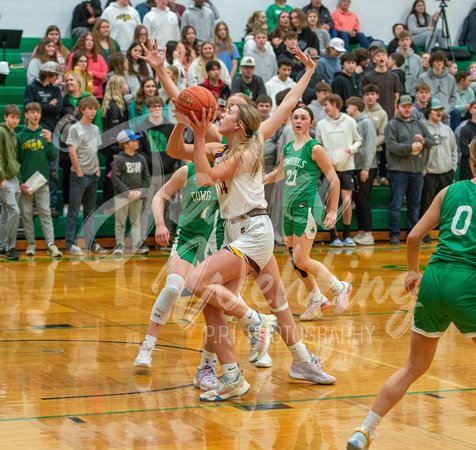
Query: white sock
[371,423]
[251,317]
[299,352]
[315,295]
[231,371]
[208,358]
[149,341]
[336,285]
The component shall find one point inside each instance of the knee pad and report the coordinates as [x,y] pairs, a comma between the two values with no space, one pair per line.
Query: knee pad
[167,299]
[303,273]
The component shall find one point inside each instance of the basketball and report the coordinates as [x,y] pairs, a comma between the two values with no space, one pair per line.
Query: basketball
[194,98]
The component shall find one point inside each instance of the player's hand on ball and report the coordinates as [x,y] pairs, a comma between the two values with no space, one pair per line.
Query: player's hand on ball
[152,54]
[412,281]
[200,127]
[180,117]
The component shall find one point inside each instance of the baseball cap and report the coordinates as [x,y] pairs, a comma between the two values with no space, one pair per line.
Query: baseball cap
[312,52]
[51,67]
[248,61]
[435,104]
[126,136]
[377,44]
[405,100]
[338,44]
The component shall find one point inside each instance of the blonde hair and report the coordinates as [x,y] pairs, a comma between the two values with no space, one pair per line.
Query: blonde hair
[113,92]
[472,150]
[253,142]
[77,76]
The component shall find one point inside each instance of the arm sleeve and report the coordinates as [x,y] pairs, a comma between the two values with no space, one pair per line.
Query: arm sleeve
[454,151]
[225,75]
[118,184]
[33,70]
[79,18]
[356,139]
[215,12]
[381,130]
[235,85]
[51,153]
[453,96]
[184,20]
[464,140]
[464,33]
[29,95]
[429,139]
[412,25]
[369,147]
[392,144]
[145,183]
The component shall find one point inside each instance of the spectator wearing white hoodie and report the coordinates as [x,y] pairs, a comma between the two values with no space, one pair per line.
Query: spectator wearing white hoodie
[365,169]
[123,19]
[412,65]
[162,24]
[265,58]
[201,19]
[339,136]
[281,81]
[442,159]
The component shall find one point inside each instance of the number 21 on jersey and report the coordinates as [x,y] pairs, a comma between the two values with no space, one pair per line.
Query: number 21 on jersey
[291,177]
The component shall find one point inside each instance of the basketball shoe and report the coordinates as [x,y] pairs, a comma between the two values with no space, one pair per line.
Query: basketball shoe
[310,371]
[260,336]
[144,358]
[227,389]
[315,309]
[341,300]
[360,440]
[206,377]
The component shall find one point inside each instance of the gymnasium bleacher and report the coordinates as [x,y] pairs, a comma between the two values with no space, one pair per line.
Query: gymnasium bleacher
[13,92]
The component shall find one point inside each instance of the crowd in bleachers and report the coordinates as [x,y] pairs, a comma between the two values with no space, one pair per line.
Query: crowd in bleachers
[392,117]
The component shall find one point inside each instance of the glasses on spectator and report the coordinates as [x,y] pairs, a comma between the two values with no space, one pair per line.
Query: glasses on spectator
[144,34]
[154,107]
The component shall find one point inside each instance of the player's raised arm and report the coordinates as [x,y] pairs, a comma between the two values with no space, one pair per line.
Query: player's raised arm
[156,61]
[270,125]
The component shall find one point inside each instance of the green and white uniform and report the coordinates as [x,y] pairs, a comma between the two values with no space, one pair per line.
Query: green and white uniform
[448,287]
[200,231]
[302,206]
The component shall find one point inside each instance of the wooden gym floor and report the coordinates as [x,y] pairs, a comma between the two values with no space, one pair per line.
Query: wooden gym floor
[71,328]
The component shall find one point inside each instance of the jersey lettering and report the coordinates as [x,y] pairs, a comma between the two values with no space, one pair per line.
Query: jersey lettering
[201,195]
[133,167]
[291,180]
[467,222]
[223,188]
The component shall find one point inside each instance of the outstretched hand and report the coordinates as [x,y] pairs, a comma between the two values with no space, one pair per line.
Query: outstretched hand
[200,127]
[330,220]
[152,54]
[412,281]
[304,58]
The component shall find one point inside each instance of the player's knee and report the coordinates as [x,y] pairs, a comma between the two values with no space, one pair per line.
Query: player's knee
[195,283]
[300,265]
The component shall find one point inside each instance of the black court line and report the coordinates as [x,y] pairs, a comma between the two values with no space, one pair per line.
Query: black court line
[101,342]
[76,419]
[119,393]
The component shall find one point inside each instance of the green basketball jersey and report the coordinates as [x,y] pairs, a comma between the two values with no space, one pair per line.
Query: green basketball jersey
[301,176]
[198,204]
[458,225]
